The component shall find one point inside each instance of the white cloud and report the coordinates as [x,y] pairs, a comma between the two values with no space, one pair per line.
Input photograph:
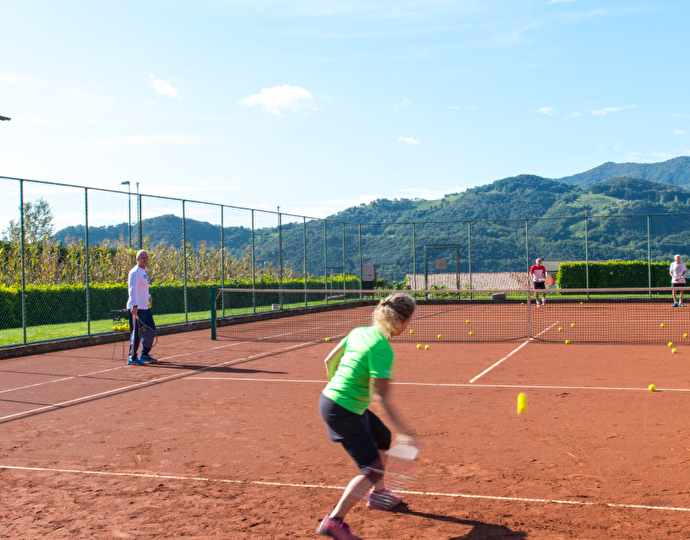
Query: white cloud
[279,99]
[458,108]
[408,141]
[679,132]
[607,110]
[164,88]
[549,111]
[558,1]
[403,104]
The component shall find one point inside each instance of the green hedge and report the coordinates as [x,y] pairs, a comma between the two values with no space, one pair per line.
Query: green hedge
[612,275]
[58,304]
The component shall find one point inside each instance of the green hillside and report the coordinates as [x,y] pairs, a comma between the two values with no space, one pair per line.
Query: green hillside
[675,171]
[501,226]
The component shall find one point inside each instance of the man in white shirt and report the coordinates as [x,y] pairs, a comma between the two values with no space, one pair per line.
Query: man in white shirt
[139,309]
[677,271]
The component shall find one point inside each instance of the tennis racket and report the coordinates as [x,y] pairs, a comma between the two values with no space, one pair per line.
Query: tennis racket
[686,274]
[401,468]
[148,335]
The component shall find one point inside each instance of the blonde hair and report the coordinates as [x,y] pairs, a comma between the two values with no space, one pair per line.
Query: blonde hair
[392,310]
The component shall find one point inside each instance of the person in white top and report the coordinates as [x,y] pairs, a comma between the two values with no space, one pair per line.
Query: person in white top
[139,309]
[677,271]
[538,273]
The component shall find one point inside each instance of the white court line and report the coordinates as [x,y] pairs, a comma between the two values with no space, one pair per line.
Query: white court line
[340,488]
[148,383]
[449,385]
[511,353]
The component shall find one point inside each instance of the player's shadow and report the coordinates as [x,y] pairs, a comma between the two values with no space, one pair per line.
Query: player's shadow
[480,530]
[211,369]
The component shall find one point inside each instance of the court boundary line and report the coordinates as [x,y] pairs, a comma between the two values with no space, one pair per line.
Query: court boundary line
[564,502]
[151,382]
[452,385]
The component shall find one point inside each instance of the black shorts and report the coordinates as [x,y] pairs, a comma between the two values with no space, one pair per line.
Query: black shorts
[678,284]
[362,435]
[539,285]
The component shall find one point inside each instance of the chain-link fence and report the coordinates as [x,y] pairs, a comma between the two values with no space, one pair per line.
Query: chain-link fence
[65,252]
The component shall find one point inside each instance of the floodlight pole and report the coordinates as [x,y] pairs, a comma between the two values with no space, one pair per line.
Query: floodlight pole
[139,217]
[129,210]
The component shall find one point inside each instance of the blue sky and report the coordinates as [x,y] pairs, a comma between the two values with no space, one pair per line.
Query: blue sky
[319,105]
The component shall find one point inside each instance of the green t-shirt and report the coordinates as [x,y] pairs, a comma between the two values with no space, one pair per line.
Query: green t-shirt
[367,355]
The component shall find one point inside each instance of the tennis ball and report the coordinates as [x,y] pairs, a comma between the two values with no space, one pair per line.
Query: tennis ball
[580,302]
[522,403]
[411,331]
[559,328]
[471,333]
[439,336]
[685,335]
[670,343]
[652,387]
[662,325]
[572,325]
[567,342]
[328,339]
[467,321]
[674,351]
[426,347]
[419,345]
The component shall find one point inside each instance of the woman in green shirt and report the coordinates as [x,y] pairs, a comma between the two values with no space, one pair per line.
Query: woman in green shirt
[361,368]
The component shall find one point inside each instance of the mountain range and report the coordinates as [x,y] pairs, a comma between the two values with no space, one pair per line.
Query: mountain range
[500,209]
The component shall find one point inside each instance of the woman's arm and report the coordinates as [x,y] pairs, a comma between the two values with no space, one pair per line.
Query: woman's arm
[382,394]
[333,360]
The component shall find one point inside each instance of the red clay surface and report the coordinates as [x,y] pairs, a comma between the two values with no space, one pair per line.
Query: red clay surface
[223,440]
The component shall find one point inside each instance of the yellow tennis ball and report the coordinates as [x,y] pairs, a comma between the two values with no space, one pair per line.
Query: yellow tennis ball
[685,335]
[662,325]
[559,328]
[328,339]
[670,343]
[572,325]
[471,333]
[522,403]
[674,351]
[426,347]
[567,342]
[580,302]
[411,331]
[419,345]
[467,321]
[652,387]
[439,336]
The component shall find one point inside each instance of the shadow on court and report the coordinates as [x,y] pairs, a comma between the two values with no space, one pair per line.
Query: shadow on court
[480,530]
[212,369]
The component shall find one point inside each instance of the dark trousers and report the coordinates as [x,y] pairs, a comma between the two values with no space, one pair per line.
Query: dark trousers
[146,316]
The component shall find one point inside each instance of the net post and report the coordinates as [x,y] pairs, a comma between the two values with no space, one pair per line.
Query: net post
[213,312]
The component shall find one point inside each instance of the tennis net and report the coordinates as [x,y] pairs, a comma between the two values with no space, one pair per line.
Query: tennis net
[576,315]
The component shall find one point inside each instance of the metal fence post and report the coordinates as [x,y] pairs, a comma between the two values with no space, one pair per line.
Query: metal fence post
[88,269]
[184,255]
[22,232]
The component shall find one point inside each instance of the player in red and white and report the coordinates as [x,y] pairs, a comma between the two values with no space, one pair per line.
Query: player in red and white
[538,273]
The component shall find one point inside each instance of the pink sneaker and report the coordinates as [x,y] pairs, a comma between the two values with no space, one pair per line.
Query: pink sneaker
[383,500]
[336,528]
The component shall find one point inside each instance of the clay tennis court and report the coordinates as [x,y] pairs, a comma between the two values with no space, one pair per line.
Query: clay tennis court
[223,440]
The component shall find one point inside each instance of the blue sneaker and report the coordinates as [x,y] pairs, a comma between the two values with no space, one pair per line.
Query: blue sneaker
[147,358]
[134,360]
[681,304]
[675,304]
